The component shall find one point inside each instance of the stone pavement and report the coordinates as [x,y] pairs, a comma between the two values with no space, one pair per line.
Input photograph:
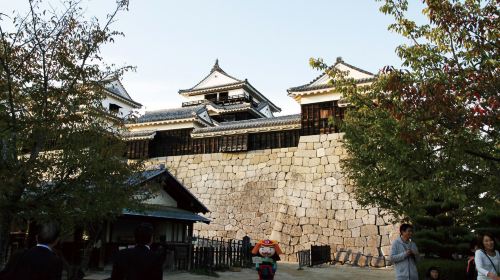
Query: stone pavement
[286,271]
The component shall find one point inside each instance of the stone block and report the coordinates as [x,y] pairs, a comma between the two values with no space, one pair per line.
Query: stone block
[307,229]
[378,262]
[356,232]
[330,168]
[313,237]
[340,215]
[363,261]
[368,230]
[303,220]
[356,223]
[311,213]
[373,241]
[338,189]
[361,213]
[343,196]
[309,139]
[320,152]
[350,214]
[331,181]
[325,204]
[325,144]
[337,204]
[313,162]
[296,231]
[369,219]
[349,242]
[300,212]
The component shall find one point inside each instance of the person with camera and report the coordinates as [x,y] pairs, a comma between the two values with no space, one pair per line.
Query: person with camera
[404,254]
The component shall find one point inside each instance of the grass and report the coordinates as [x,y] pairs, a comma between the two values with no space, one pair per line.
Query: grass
[448,269]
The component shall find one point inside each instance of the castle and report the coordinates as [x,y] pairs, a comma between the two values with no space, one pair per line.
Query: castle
[263,175]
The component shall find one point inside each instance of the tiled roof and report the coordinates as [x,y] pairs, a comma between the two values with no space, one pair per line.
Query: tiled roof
[236,84]
[253,123]
[230,107]
[339,61]
[307,87]
[171,114]
[142,134]
[217,68]
[117,93]
[172,186]
[168,213]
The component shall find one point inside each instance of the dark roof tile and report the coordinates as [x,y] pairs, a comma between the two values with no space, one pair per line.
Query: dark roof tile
[171,114]
[253,123]
[339,61]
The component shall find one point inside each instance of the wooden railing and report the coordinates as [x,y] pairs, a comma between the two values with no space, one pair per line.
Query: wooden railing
[231,99]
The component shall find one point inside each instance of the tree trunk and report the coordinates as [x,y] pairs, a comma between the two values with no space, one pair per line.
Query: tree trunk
[5,223]
[79,270]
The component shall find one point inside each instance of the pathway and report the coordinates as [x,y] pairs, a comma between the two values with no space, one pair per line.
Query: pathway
[286,271]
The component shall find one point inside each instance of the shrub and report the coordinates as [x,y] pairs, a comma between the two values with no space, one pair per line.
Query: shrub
[448,269]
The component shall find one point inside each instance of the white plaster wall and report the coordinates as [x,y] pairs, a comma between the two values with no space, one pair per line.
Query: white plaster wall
[162,199]
[317,98]
[215,79]
[125,109]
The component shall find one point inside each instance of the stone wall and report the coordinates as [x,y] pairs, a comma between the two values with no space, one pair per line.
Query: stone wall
[298,196]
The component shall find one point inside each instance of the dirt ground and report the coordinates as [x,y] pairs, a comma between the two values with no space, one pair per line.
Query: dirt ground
[286,271]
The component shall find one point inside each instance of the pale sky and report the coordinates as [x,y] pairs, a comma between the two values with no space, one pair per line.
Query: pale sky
[174,44]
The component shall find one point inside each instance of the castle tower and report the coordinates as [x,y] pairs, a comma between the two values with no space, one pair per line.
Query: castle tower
[321,106]
[228,98]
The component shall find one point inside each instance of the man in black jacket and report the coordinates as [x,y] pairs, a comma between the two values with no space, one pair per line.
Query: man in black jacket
[138,262]
[39,262]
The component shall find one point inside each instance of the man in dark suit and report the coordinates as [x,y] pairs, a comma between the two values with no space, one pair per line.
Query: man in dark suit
[139,262]
[39,262]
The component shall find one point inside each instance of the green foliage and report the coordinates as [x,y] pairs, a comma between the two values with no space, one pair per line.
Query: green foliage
[489,222]
[424,140]
[449,269]
[437,232]
[61,154]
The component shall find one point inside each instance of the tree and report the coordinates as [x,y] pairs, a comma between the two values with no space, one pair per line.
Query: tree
[424,140]
[61,154]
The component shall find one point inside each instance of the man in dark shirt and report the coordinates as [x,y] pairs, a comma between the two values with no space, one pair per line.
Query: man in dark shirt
[139,262]
[39,262]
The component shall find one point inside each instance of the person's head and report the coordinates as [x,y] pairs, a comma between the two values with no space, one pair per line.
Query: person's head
[406,231]
[144,234]
[486,241]
[433,273]
[472,247]
[48,233]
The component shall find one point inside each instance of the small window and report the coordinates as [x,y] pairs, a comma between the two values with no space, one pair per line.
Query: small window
[229,118]
[211,97]
[324,113]
[113,108]
[223,95]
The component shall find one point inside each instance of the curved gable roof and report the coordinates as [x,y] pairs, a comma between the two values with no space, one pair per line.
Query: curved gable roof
[116,89]
[216,77]
[323,80]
